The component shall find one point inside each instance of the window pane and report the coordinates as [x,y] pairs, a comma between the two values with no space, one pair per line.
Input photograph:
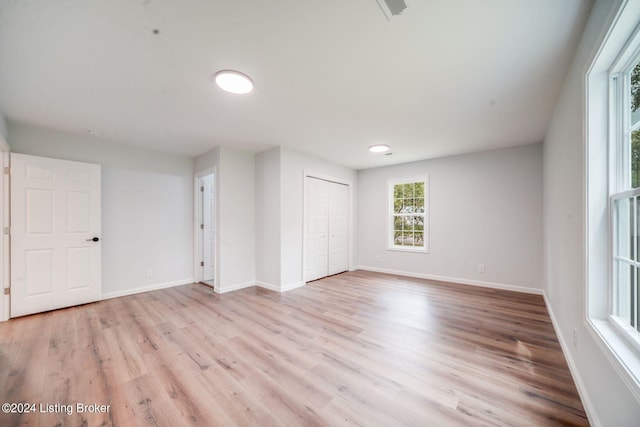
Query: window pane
[408,223]
[633,300]
[408,206]
[397,223]
[397,206]
[397,238]
[623,232]
[419,189]
[637,300]
[398,191]
[635,95]
[419,205]
[635,158]
[411,205]
[408,190]
[625,274]
[633,231]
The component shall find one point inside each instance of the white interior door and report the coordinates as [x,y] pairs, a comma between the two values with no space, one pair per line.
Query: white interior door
[338,221]
[208,230]
[55,232]
[316,228]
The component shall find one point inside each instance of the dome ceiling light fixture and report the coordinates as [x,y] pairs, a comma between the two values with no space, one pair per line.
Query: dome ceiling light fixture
[234,81]
[379,148]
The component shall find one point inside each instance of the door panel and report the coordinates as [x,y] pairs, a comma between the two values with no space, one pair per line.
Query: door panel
[55,212]
[316,217]
[338,220]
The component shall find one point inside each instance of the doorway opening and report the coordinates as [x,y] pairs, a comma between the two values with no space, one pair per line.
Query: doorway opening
[205,227]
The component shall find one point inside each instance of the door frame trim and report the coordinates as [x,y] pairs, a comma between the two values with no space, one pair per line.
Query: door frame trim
[310,174]
[5,248]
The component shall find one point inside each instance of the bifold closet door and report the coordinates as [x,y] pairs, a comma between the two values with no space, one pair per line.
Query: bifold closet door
[338,236]
[326,228]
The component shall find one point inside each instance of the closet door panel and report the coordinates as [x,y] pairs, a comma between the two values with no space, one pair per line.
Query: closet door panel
[338,228]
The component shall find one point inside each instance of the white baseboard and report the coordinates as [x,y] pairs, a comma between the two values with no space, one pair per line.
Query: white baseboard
[492,285]
[577,379]
[280,288]
[269,286]
[231,288]
[131,291]
[291,286]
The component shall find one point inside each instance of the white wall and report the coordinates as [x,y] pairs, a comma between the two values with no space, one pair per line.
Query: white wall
[4,131]
[482,208]
[236,219]
[5,281]
[147,207]
[609,401]
[268,218]
[293,165]
[208,160]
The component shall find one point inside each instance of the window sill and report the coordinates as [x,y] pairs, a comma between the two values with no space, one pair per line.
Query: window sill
[408,249]
[624,355]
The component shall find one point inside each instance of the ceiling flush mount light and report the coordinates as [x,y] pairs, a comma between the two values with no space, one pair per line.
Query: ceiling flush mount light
[234,81]
[93,132]
[379,148]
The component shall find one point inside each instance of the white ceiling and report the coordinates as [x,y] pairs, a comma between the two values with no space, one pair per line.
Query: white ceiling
[332,77]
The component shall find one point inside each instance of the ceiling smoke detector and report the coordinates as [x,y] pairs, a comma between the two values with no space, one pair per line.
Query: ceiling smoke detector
[392,8]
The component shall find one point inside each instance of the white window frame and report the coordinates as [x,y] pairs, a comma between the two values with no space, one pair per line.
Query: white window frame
[606,177]
[391,216]
[620,176]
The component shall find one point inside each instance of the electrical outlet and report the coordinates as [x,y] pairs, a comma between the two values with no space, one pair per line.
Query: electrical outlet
[481,268]
[574,335]
[149,272]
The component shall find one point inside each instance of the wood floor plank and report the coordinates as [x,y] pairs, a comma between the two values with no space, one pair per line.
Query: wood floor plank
[355,349]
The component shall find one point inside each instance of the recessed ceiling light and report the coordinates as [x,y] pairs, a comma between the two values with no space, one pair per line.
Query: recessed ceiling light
[93,132]
[379,148]
[234,81]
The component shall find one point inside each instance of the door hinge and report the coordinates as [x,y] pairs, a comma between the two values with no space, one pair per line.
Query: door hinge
[201,226]
[201,263]
[7,230]
[202,189]
[7,291]
[7,170]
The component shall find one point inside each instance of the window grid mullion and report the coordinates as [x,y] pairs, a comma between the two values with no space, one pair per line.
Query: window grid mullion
[632,288]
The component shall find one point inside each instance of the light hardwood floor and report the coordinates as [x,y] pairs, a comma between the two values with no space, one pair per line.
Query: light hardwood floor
[358,348]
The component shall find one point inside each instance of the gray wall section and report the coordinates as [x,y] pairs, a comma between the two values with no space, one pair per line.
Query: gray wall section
[611,403]
[483,208]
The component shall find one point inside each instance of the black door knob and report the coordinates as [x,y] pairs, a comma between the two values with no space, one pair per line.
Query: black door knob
[95,239]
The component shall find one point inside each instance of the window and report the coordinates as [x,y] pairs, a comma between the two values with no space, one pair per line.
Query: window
[408,229]
[625,200]
[612,201]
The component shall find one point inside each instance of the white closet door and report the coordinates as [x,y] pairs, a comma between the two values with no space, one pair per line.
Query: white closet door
[317,222]
[55,234]
[338,220]
[326,228]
